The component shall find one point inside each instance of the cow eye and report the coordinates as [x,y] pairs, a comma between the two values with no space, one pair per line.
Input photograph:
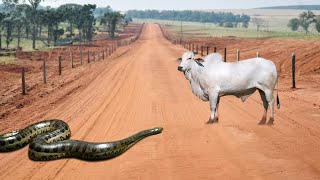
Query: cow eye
[189,58]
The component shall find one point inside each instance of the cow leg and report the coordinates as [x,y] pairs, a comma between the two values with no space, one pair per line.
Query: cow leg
[270,99]
[213,106]
[265,105]
[217,109]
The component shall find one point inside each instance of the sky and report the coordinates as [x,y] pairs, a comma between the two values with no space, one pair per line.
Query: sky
[123,5]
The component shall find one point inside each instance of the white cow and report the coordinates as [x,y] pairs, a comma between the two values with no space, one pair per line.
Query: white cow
[212,78]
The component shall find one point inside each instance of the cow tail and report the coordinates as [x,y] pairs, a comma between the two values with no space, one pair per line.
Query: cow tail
[278,99]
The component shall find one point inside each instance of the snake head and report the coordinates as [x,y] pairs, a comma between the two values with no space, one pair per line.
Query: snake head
[157,130]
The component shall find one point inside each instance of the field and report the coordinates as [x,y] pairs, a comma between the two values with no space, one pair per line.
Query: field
[277,19]
[276,26]
[139,88]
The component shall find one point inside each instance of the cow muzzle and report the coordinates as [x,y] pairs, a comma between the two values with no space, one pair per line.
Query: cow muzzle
[180,68]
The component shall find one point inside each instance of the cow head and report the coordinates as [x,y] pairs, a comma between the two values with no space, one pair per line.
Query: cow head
[186,61]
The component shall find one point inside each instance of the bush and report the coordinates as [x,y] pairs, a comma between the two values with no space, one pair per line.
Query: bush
[294,24]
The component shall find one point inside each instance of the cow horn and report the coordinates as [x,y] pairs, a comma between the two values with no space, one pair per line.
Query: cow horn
[199,63]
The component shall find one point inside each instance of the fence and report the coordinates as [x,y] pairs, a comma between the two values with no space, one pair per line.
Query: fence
[72,53]
[190,45]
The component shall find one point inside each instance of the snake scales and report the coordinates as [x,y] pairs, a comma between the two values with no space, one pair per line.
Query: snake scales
[49,141]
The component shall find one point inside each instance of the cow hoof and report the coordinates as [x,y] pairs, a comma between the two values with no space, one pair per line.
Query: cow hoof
[212,121]
[270,123]
[263,122]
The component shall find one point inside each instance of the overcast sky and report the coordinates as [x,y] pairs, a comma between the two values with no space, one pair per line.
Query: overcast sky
[183,4]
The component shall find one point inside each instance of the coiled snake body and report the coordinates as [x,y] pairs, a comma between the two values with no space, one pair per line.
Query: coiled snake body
[48,141]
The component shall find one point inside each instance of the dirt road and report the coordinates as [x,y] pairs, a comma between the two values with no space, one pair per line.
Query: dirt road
[142,89]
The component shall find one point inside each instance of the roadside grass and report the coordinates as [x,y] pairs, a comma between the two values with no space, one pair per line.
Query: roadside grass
[7,60]
[203,30]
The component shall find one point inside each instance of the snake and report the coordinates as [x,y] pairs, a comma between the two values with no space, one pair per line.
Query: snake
[49,140]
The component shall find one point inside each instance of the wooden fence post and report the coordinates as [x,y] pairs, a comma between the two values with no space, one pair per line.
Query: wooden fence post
[103,54]
[81,56]
[225,54]
[197,49]
[44,72]
[201,50]
[215,50]
[23,81]
[238,55]
[192,47]
[71,54]
[88,56]
[60,65]
[293,70]
[258,55]
[207,50]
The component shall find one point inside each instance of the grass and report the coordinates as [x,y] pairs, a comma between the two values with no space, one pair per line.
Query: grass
[203,30]
[26,44]
[7,60]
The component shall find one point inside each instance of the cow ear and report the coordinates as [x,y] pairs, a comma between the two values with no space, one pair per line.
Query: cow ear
[199,60]
[179,59]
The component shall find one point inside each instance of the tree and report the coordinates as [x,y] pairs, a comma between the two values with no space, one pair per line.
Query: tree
[259,22]
[86,21]
[34,5]
[245,19]
[306,18]
[188,15]
[71,13]
[56,35]
[8,26]
[245,24]
[111,20]
[318,23]
[2,16]
[19,20]
[294,24]
[127,20]
[41,21]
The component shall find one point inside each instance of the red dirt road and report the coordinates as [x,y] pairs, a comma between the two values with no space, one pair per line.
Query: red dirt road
[141,89]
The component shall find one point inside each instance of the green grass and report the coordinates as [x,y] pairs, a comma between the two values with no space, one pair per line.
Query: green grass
[7,60]
[203,30]
[26,44]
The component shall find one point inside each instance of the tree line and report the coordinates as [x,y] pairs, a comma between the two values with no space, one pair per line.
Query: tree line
[220,18]
[72,21]
[304,20]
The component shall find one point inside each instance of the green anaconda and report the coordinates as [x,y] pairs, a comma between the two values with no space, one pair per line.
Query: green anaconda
[49,141]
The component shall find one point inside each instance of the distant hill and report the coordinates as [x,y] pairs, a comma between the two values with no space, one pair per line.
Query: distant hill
[295,7]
